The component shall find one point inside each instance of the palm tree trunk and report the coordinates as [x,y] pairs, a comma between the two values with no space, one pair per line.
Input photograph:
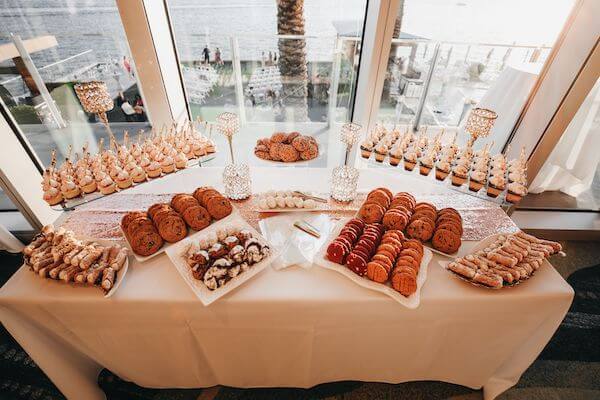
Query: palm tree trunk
[292,58]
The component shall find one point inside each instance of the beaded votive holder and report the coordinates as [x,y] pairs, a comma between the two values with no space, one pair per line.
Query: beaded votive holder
[344,182]
[237,181]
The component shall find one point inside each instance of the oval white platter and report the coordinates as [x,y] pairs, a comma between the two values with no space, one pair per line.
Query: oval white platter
[411,301]
[176,253]
[482,244]
[120,274]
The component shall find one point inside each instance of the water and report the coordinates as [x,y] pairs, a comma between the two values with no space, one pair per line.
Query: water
[84,24]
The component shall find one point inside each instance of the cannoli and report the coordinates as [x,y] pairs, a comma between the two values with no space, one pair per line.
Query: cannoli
[462,270]
[503,259]
[53,273]
[490,279]
[90,258]
[68,273]
[108,278]
[67,258]
[95,273]
[44,262]
[37,242]
[119,260]
[76,259]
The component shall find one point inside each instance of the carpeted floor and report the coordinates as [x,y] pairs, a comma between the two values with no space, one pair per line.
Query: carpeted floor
[568,368]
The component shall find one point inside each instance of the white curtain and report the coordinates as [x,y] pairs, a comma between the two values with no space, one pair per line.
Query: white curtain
[573,162]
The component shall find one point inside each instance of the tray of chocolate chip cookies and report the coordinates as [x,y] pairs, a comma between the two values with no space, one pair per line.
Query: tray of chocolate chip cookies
[150,232]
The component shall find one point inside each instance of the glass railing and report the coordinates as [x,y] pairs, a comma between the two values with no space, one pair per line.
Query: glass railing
[54,119]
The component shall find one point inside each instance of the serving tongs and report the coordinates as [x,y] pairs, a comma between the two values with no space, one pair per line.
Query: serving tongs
[305,196]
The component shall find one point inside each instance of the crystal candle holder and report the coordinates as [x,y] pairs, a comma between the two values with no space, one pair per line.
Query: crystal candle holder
[344,181]
[237,181]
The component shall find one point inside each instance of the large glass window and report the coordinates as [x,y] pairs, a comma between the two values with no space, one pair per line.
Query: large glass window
[570,177]
[48,46]
[447,57]
[287,65]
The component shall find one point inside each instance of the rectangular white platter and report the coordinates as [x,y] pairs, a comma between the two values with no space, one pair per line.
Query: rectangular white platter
[411,301]
[168,245]
[176,252]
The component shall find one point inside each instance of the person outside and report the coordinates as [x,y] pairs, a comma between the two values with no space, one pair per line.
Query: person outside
[138,107]
[206,55]
[218,59]
[124,105]
[127,66]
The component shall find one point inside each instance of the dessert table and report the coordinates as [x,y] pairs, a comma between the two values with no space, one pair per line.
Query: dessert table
[294,327]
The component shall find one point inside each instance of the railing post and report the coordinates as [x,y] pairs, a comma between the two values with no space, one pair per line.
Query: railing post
[418,114]
[237,73]
[335,81]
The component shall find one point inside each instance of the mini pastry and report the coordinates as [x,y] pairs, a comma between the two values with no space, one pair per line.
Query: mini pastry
[396,154]
[442,169]
[138,175]
[53,196]
[459,174]
[181,161]
[167,165]
[381,151]
[154,170]
[107,185]
[69,189]
[88,184]
[366,148]
[515,193]
[123,180]
[477,180]
[426,164]
[410,159]
[496,185]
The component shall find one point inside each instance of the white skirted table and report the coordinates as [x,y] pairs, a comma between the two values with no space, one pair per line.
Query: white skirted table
[295,327]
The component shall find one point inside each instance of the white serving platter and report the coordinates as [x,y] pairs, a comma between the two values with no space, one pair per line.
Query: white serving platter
[411,301]
[176,252]
[120,275]
[168,245]
[482,244]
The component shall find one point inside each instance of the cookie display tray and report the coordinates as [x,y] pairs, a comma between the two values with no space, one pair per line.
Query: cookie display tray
[167,245]
[120,275]
[176,254]
[411,301]
[480,246]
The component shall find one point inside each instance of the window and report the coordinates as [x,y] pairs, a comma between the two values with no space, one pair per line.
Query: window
[570,177]
[288,65]
[447,57]
[44,51]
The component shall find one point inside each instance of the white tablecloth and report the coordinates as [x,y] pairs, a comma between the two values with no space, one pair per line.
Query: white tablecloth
[294,327]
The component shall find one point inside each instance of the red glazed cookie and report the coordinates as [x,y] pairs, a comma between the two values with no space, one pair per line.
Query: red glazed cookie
[336,252]
[356,263]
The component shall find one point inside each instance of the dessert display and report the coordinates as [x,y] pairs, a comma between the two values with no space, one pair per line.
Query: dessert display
[147,231]
[57,254]
[477,170]
[122,166]
[287,147]
[504,260]
[285,200]
[223,255]
[417,220]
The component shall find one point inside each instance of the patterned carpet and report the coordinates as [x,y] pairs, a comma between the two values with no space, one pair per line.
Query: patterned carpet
[568,368]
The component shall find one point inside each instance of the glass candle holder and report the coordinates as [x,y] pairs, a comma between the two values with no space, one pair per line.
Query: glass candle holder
[237,181]
[344,181]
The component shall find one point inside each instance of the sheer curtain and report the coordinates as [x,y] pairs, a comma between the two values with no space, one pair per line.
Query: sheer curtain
[573,162]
